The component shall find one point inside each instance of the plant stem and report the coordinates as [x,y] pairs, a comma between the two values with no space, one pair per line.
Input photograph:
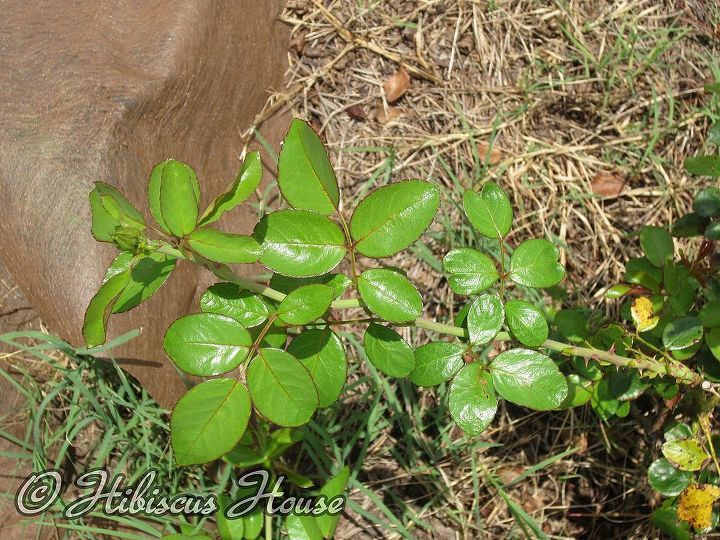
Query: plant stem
[677,370]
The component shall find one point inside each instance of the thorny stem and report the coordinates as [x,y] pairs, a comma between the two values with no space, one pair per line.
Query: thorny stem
[680,372]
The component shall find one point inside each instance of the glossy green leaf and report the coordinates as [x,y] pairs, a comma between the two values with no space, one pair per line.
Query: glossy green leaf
[469,271]
[154,186]
[100,307]
[657,244]
[602,401]
[526,322]
[209,420]
[703,166]
[617,291]
[579,392]
[337,282]
[489,211]
[626,384]
[685,454]
[305,176]
[299,243]
[534,263]
[713,342]
[682,333]
[707,201]
[528,378]
[666,479]
[302,528]
[206,344]
[393,217]
[678,431]
[229,529]
[666,519]
[389,295]
[642,272]
[224,247]
[147,274]
[387,351]
[254,523]
[436,363]
[323,355]
[305,304]
[245,183]
[275,337]
[485,318]
[573,324]
[689,225]
[228,299]
[178,198]
[712,231]
[332,488]
[472,400]
[282,389]
[110,209]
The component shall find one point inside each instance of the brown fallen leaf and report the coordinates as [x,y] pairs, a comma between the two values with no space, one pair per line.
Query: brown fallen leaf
[396,85]
[383,116]
[356,112]
[607,184]
[695,505]
[495,156]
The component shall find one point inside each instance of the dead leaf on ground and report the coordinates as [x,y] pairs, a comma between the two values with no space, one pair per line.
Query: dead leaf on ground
[397,85]
[356,112]
[495,156]
[384,116]
[695,505]
[608,184]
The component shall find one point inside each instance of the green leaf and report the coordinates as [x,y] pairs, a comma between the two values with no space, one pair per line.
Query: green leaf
[485,318]
[230,300]
[209,420]
[703,166]
[393,217]
[254,522]
[305,304]
[528,378]
[573,324]
[337,282]
[534,263]
[526,322]
[641,271]
[626,384]
[224,247]
[686,454]
[207,344]
[712,231]
[666,479]
[436,362]
[489,211]
[246,181]
[579,391]
[657,244]
[617,291]
[713,342]
[682,333]
[389,295]
[179,198]
[100,307]
[282,389]
[387,351]
[110,209]
[302,528]
[333,488]
[678,431]
[147,274]
[472,400]
[305,176]
[707,202]
[602,401]
[323,355]
[229,529]
[299,243]
[667,521]
[470,272]
[689,225]
[153,189]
